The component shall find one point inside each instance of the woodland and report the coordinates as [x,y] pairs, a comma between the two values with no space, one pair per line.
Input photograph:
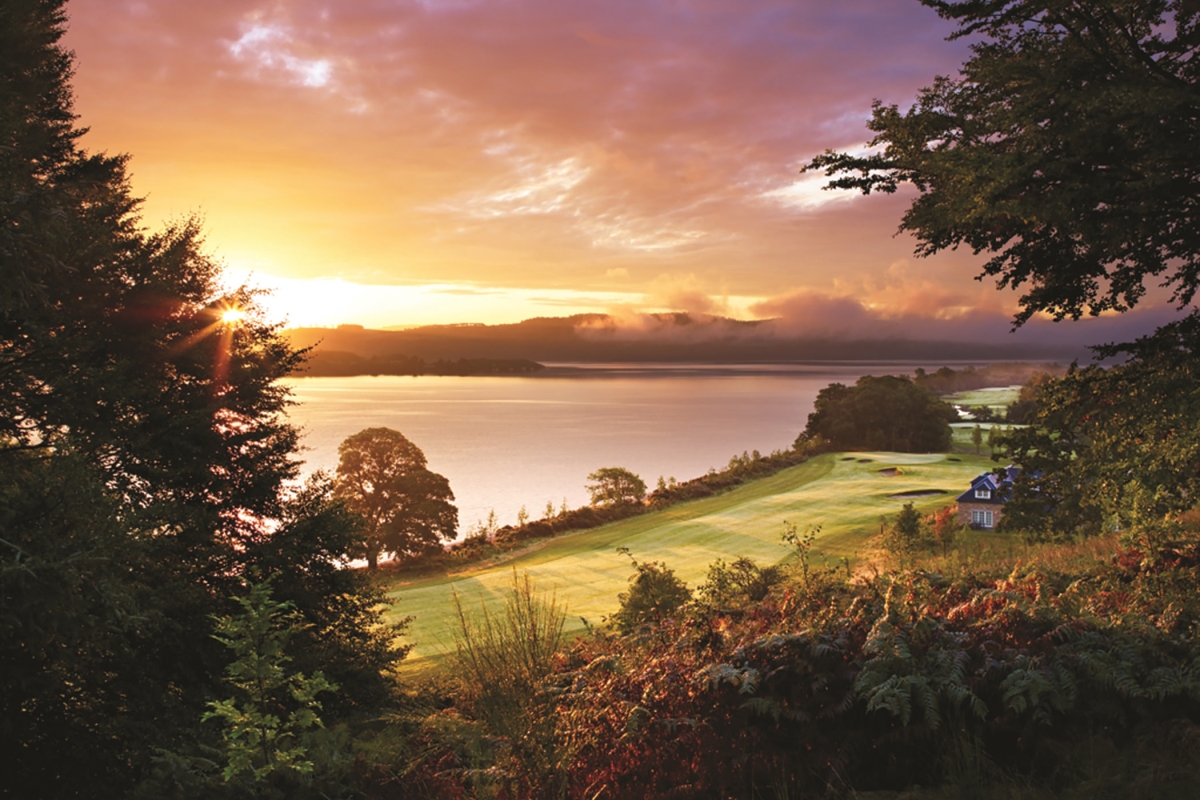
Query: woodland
[179,619]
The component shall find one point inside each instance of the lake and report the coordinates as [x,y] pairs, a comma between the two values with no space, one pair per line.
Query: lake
[508,442]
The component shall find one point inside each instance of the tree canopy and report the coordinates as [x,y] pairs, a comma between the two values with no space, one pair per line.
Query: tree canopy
[406,508]
[1116,446]
[881,413]
[1065,149]
[611,486]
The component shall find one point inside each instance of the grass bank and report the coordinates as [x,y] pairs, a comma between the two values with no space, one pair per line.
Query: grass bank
[843,493]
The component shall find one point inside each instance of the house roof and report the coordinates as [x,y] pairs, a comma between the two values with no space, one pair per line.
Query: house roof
[999,487]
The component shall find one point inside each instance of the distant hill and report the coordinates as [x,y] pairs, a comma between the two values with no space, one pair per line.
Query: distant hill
[652,338]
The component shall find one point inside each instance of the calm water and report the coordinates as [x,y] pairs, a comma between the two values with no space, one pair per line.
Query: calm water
[506,442]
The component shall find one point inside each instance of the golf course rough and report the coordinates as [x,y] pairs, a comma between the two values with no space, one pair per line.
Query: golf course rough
[845,497]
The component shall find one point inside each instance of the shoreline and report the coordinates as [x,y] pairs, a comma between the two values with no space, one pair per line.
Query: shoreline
[654,369]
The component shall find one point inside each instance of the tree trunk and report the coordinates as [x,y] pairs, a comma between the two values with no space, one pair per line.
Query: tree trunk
[372,559]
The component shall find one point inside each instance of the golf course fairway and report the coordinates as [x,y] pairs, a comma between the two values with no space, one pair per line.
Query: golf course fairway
[845,494]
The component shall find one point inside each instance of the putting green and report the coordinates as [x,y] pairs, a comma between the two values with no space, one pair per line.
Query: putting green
[996,396]
[845,494]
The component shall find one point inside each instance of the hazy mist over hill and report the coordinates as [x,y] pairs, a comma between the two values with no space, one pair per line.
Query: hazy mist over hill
[808,331]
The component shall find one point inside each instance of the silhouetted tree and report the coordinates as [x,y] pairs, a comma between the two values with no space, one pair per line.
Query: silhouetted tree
[144,450]
[406,508]
[1065,149]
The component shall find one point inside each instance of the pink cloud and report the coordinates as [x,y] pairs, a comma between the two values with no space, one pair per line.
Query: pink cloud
[540,144]
[814,315]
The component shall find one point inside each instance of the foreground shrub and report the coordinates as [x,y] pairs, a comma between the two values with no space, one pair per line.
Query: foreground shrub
[502,661]
[655,593]
[895,682]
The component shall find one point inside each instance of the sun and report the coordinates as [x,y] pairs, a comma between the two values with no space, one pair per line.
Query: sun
[232,316]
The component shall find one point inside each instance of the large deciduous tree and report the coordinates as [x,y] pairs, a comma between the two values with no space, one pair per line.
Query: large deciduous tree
[881,413]
[1065,149]
[406,508]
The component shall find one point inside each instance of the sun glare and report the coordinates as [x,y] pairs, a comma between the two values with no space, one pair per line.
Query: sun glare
[232,316]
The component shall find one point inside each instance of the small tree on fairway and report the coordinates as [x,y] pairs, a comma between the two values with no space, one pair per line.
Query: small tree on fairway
[407,509]
[503,659]
[612,486]
[803,542]
[977,437]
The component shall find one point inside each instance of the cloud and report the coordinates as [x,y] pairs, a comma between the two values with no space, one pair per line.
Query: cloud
[816,318]
[817,315]
[532,186]
[807,314]
[624,231]
[809,192]
[532,189]
[684,293]
[532,142]
[270,47]
[627,324]
[464,291]
[915,313]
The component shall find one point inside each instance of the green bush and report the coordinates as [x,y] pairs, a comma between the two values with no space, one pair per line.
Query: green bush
[654,594]
[740,582]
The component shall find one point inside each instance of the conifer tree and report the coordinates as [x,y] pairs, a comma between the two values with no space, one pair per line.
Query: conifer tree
[144,450]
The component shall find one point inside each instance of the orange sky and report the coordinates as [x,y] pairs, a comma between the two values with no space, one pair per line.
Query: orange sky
[400,162]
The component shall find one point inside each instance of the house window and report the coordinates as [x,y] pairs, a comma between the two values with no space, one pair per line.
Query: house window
[982,519]
[983,494]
